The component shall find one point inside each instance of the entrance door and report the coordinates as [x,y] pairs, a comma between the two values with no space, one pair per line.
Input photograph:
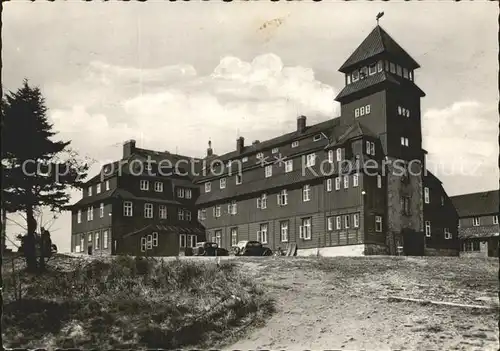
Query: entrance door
[89,249]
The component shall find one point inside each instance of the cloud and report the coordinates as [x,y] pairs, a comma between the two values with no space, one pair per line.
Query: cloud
[462,144]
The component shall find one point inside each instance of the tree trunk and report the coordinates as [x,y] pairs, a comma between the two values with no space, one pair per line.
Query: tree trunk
[4,230]
[30,242]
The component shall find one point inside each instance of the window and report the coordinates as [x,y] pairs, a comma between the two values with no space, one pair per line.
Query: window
[495,219]
[329,184]
[356,220]
[127,209]
[356,112]
[262,202]
[428,229]
[79,216]
[180,193]
[234,236]
[282,198]
[97,243]
[380,66]
[101,210]
[367,109]
[330,156]
[90,238]
[90,191]
[144,185]
[244,159]
[148,210]
[217,211]
[188,193]
[405,73]
[163,211]
[379,181]
[275,150]
[372,69]
[182,240]
[106,184]
[471,245]
[338,222]
[337,183]
[311,160]
[372,148]
[393,67]
[347,221]
[387,66]
[346,181]
[218,237]
[202,214]
[426,195]
[305,229]
[362,111]
[306,193]
[400,110]
[404,141]
[208,187]
[295,143]
[105,239]
[90,213]
[339,154]
[98,188]
[259,155]
[180,214]
[284,231]
[329,223]
[143,244]
[188,215]
[288,166]
[355,179]
[411,75]
[233,208]
[407,113]
[476,221]
[405,201]
[442,200]
[269,171]
[355,76]
[158,187]
[398,70]
[222,183]
[363,72]
[239,179]
[348,78]
[262,234]
[378,223]
[447,234]
[317,137]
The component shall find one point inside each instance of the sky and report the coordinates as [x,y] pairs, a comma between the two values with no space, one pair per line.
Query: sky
[173,75]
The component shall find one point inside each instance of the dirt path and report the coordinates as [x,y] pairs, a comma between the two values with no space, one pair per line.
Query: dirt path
[318,310]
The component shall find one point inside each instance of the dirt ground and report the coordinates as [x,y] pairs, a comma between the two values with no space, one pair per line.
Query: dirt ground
[338,303]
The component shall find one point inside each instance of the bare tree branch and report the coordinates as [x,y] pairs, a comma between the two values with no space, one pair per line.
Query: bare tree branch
[18,224]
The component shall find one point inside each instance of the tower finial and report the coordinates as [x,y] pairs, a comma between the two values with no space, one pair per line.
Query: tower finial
[209,143]
[380,14]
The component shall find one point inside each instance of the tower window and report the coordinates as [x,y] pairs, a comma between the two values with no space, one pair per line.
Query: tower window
[356,112]
[405,73]
[373,69]
[348,79]
[393,67]
[398,70]
[404,141]
[367,109]
[387,66]
[362,111]
[355,76]
[380,66]
[411,75]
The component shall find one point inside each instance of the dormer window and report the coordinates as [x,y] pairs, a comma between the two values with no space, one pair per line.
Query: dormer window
[380,66]
[317,137]
[405,73]
[398,70]
[275,150]
[295,143]
[355,76]
[363,73]
[392,67]
[259,155]
[244,159]
[372,69]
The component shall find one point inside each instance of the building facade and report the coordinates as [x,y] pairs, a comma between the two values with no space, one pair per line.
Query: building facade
[478,223]
[351,185]
[143,204]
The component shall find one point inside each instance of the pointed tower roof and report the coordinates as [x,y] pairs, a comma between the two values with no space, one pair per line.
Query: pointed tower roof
[378,43]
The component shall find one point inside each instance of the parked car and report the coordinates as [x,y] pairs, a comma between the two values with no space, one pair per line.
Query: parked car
[209,249]
[251,248]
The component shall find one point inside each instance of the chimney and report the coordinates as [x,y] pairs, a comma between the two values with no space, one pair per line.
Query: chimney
[128,148]
[255,142]
[240,144]
[210,151]
[301,124]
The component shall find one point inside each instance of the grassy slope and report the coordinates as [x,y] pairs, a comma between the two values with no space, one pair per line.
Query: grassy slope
[123,303]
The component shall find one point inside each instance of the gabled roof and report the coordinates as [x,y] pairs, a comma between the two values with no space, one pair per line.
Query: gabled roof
[164,227]
[476,204]
[355,130]
[378,42]
[374,80]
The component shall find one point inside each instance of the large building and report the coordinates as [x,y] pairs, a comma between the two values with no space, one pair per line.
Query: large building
[143,204]
[296,188]
[478,223]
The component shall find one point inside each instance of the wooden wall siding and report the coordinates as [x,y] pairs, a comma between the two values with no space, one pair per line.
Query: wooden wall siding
[75,240]
[95,223]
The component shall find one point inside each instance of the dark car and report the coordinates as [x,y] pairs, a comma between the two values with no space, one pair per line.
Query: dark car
[209,249]
[251,248]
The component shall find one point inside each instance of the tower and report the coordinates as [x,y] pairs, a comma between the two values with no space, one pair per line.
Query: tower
[380,93]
